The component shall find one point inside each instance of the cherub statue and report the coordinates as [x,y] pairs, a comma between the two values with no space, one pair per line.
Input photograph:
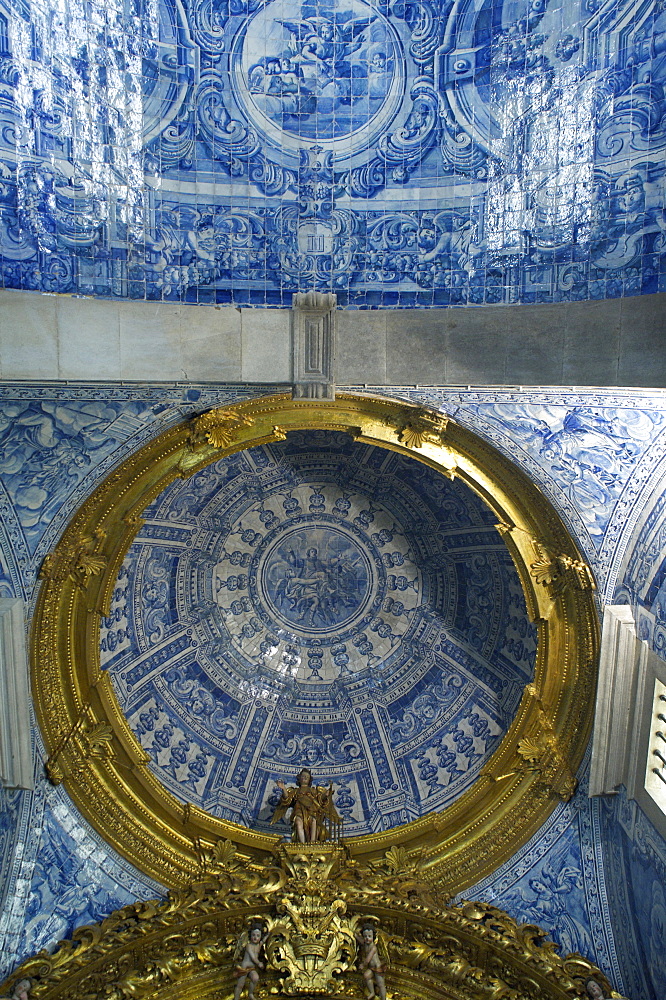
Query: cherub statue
[370,964]
[247,958]
[310,806]
[21,990]
[595,991]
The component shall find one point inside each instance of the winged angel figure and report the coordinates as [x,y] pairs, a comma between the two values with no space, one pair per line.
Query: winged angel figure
[249,959]
[316,71]
[326,43]
[372,960]
[313,815]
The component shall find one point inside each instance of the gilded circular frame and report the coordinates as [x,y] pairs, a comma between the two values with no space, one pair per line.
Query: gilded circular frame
[93,751]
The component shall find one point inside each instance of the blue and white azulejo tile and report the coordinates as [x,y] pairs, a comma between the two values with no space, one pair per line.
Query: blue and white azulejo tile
[410,154]
[325,603]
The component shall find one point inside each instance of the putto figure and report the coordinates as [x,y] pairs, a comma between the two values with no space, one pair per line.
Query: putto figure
[313,815]
[21,990]
[595,991]
[370,964]
[248,959]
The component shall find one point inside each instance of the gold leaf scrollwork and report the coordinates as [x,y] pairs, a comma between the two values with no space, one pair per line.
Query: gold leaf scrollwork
[559,572]
[225,855]
[92,742]
[311,941]
[77,559]
[218,859]
[541,754]
[311,912]
[97,741]
[311,945]
[209,432]
[398,861]
[406,873]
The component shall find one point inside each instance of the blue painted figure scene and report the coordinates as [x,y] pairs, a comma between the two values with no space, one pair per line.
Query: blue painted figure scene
[325,75]
[399,155]
[316,586]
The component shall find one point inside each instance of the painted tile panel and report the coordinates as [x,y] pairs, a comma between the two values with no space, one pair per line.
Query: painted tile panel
[569,853]
[400,154]
[318,602]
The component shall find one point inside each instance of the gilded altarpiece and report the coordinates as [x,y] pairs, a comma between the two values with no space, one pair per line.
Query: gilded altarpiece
[311,899]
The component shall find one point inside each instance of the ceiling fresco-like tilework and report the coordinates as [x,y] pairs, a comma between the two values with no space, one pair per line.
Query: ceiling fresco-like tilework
[322,603]
[546,432]
[416,153]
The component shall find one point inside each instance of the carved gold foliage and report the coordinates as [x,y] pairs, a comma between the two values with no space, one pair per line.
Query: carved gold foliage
[406,874]
[224,855]
[397,860]
[77,559]
[92,741]
[543,755]
[219,427]
[54,771]
[311,943]
[96,741]
[559,572]
[149,947]
[420,426]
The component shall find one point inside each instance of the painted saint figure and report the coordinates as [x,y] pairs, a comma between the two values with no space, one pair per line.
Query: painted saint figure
[247,959]
[370,964]
[311,806]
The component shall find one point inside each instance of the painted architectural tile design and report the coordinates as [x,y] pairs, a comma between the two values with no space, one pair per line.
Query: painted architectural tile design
[571,856]
[416,154]
[59,874]
[636,876]
[590,452]
[320,602]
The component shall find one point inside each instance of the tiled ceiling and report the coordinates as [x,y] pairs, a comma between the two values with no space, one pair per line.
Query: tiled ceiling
[325,603]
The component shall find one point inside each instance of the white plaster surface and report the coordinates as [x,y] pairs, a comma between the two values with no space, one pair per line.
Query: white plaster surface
[613,342]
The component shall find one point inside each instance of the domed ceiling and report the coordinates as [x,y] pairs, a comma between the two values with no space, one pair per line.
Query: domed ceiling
[325,603]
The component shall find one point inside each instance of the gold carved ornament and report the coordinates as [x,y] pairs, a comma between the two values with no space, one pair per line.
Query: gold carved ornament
[310,901]
[92,749]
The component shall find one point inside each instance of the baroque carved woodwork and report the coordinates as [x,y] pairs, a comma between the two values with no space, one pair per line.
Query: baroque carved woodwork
[311,900]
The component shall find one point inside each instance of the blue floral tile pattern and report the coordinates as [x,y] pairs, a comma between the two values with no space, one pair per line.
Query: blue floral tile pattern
[403,154]
[326,603]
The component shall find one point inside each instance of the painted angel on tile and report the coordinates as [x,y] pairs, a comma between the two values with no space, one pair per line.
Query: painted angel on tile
[323,47]
[249,959]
